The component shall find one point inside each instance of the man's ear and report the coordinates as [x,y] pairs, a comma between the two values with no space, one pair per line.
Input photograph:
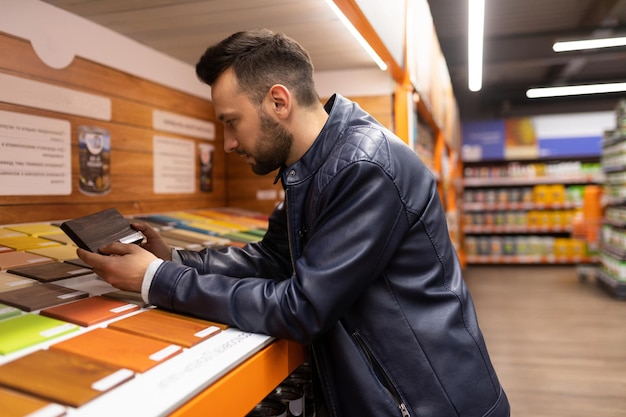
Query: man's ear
[281,100]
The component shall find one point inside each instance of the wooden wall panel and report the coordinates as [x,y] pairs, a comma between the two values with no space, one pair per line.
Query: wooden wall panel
[133,101]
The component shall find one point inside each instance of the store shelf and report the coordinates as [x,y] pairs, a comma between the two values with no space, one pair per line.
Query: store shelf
[491,230]
[528,259]
[611,273]
[503,182]
[612,285]
[520,206]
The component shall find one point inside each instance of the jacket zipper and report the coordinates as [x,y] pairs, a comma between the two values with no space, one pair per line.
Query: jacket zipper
[382,375]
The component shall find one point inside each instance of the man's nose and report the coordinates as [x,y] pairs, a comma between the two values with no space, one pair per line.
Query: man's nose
[230,143]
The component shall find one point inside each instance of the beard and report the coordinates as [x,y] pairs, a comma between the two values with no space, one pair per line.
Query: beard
[273,146]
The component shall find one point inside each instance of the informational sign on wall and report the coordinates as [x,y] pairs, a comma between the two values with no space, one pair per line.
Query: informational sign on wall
[548,136]
[41,95]
[182,125]
[174,165]
[35,155]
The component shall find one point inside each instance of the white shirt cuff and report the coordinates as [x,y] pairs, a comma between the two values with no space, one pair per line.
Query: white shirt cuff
[148,276]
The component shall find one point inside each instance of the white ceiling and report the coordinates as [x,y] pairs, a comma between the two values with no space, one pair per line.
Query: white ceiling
[183,29]
[518,39]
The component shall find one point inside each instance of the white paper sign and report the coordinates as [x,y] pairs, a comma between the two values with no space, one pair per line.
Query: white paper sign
[174,165]
[35,155]
[183,125]
[45,96]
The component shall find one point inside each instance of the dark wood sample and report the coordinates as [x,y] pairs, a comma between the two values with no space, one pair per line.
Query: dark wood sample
[98,229]
[50,271]
[38,296]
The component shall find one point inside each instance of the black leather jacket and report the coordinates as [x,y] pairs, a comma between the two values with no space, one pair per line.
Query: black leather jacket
[359,265]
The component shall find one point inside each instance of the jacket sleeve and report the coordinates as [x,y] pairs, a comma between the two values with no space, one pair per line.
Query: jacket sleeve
[358,223]
[267,258]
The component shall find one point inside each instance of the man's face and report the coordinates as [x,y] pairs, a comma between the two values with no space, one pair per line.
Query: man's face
[248,129]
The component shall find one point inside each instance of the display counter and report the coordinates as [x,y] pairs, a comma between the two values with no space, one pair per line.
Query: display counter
[223,372]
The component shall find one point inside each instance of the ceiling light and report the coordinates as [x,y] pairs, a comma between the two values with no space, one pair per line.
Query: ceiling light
[574,90]
[381,64]
[564,46]
[475,30]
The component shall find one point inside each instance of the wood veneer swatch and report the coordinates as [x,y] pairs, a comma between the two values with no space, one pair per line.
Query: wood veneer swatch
[38,296]
[168,327]
[62,377]
[90,311]
[34,229]
[77,262]
[8,232]
[118,348]
[20,258]
[10,282]
[17,404]
[60,237]
[204,322]
[26,242]
[25,330]
[98,229]
[8,311]
[59,253]
[49,272]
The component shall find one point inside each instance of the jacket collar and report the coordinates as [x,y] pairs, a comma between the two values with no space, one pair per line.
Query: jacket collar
[339,110]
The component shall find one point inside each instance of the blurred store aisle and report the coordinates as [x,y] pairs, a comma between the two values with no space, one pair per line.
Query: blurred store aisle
[557,342]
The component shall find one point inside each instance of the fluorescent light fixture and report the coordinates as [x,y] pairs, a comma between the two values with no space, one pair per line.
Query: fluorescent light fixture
[574,90]
[475,31]
[564,46]
[381,64]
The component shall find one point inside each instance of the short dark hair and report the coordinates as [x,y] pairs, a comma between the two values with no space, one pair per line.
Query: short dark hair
[261,58]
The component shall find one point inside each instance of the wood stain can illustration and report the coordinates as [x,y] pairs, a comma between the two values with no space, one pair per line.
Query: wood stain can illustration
[94,144]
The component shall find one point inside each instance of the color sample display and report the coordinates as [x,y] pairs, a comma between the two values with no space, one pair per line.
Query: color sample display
[181,330]
[36,297]
[62,377]
[90,311]
[9,282]
[26,242]
[8,311]
[16,404]
[58,253]
[29,329]
[18,258]
[119,348]
[50,271]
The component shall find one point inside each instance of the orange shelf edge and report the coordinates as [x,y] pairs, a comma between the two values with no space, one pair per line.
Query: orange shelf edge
[237,392]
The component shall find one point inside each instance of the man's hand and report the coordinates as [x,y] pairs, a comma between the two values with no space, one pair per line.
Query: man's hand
[154,242]
[125,266]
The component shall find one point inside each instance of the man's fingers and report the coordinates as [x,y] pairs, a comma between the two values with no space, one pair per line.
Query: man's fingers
[117,248]
[144,228]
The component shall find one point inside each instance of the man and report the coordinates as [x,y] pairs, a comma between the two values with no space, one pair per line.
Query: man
[357,263]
